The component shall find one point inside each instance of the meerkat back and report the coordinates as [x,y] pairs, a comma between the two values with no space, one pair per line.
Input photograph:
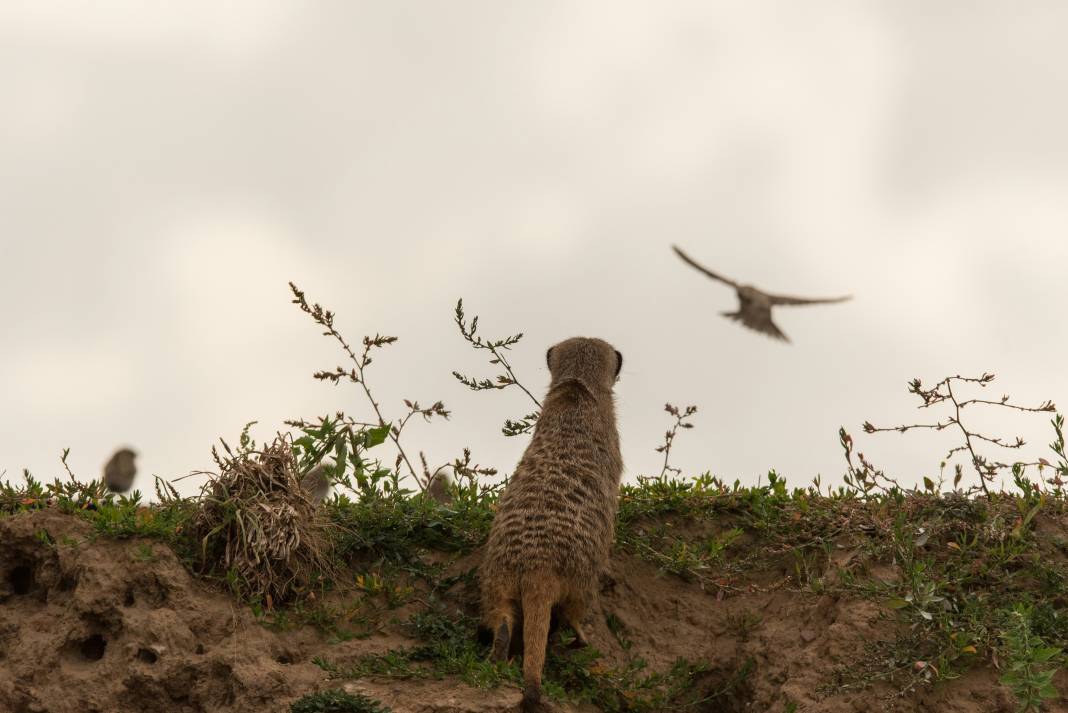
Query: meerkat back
[554,527]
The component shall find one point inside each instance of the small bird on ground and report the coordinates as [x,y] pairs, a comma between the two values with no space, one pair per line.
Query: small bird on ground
[316,482]
[120,470]
[438,488]
[754,309]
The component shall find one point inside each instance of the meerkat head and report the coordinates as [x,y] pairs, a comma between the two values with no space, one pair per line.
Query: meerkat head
[594,362]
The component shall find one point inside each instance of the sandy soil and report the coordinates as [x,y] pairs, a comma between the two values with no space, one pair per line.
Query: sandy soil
[99,625]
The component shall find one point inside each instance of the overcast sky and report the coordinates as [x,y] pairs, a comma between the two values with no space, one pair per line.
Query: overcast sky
[166,168]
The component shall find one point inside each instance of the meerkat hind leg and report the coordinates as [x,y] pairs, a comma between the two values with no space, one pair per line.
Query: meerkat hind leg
[502,635]
[573,610]
[502,639]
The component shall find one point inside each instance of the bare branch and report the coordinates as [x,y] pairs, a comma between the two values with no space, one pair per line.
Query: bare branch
[943,393]
[497,349]
[669,436]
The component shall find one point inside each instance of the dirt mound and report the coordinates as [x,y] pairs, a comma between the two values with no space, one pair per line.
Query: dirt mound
[95,624]
[779,646]
[92,624]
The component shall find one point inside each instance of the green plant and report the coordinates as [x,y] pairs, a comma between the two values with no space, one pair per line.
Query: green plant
[45,538]
[497,349]
[1060,469]
[1031,664]
[342,432]
[337,701]
[144,552]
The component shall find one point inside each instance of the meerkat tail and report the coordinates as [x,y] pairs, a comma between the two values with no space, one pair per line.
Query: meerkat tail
[539,592]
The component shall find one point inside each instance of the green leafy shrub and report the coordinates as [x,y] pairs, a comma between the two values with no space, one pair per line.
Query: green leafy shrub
[1031,664]
[337,701]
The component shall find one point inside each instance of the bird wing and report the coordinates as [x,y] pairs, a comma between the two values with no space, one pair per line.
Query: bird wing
[787,300]
[689,261]
[757,319]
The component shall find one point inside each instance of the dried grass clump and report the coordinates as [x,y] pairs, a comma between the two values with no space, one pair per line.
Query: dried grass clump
[259,527]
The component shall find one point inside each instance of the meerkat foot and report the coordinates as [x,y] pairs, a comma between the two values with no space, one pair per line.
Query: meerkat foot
[581,640]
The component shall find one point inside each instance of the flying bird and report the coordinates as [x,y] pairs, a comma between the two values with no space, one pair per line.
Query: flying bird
[754,309]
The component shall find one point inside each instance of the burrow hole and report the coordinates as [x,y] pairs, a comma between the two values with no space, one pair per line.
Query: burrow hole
[147,656]
[21,579]
[93,647]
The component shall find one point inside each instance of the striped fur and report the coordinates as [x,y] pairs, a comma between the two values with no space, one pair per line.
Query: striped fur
[555,522]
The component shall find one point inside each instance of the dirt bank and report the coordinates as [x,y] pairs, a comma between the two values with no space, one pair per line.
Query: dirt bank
[95,624]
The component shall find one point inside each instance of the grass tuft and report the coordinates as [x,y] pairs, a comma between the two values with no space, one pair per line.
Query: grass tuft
[336,701]
[257,527]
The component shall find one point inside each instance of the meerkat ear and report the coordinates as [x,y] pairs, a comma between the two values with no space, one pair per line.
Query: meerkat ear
[619,362]
[549,358]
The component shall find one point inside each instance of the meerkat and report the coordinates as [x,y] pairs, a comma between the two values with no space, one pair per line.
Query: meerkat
[120,470]
[555,522]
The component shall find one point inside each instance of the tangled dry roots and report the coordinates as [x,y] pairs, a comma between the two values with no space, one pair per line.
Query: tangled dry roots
[258,527]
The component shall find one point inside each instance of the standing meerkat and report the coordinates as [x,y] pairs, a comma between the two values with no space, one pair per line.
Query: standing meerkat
[555,521]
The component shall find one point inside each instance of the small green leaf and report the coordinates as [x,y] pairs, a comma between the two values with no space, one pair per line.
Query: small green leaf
[375,436]
[1046,654]
[1017,531]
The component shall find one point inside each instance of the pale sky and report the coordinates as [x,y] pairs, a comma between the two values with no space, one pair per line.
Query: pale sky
[166,168]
